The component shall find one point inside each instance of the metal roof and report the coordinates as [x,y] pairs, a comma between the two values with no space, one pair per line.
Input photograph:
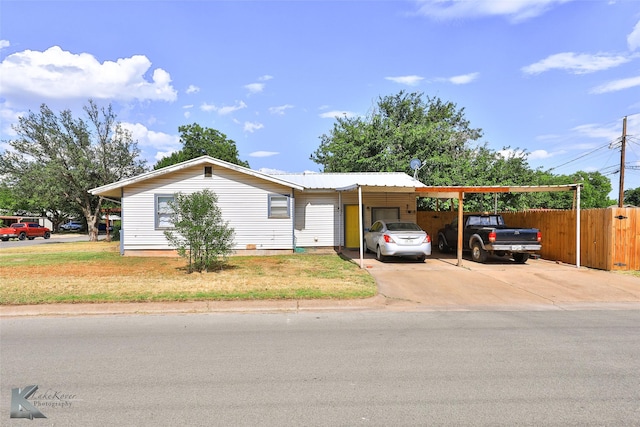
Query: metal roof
[381,181]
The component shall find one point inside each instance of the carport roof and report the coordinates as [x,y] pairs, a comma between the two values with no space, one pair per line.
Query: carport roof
[454,191]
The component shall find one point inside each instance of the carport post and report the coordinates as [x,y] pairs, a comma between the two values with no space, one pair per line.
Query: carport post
[578,226]
[460,226]
[360,224]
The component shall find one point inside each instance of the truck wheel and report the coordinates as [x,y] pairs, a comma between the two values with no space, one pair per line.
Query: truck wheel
[477,253]
[379,255]
[22,236]
[47,235]
[520,258]
[442,246]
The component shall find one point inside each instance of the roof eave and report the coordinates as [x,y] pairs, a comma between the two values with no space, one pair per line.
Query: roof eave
[113,189]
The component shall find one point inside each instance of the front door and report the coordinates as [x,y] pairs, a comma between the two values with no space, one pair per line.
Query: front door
[351,227]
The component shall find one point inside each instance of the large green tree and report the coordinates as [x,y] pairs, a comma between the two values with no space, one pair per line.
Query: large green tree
[198,141]
[399,128]
[57,159]
[406,126]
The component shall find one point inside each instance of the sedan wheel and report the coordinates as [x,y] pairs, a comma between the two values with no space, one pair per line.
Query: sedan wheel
[364,245]
[379,255]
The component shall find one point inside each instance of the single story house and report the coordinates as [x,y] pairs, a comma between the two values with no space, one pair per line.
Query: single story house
[270,213]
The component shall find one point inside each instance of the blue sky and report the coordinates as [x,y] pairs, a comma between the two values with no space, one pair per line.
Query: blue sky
[554,77]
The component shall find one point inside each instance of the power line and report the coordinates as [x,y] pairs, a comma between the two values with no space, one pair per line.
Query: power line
[584,155]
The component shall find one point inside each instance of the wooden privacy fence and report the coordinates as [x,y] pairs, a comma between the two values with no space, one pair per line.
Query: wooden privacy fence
[609,238]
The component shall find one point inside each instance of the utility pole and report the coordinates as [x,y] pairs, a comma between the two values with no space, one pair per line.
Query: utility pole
[622,154]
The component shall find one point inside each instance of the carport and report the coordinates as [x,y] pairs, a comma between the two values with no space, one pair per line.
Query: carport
[458,192]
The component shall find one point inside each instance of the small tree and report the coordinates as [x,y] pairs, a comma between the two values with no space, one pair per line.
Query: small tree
[199,234]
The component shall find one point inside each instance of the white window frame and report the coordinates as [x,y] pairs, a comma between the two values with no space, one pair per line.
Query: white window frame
[162,211]
[276,206]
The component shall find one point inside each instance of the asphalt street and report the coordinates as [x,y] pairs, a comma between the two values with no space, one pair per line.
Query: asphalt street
[55,238]
[339,368]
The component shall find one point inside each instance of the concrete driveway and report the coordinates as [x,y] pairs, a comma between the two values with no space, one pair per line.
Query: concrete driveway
[500,284]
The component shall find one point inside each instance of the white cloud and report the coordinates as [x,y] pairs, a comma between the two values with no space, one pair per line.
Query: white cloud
[280,110]
[8,117]
[152,139]
[193,89]
[533,155]
[633,39]
[255,87]
[4,43]
[228,109]
[335,113]
[252,126]
[514,10]
[162,154]
[464,79]
[231,108]
[577,63]
[540,154]
[608,133]
[187,114]
[270,171]
[207,107]
[406,80]
[263,154]
[59,74]
[617,85]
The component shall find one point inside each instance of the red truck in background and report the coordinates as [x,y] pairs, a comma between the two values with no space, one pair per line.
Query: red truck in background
[24,230]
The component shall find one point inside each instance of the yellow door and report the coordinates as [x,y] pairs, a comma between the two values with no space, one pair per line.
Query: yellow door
[351,227]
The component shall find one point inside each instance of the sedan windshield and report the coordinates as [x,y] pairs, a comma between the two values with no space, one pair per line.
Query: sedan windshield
[403,226]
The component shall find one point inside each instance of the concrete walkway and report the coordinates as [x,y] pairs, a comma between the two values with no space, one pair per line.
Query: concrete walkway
[435,285]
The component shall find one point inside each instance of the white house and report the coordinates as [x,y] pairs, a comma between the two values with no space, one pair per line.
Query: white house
[270,213]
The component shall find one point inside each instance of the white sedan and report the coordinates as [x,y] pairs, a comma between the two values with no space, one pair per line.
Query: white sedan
[397,238]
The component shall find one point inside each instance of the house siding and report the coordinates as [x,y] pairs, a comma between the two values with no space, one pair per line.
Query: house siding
[242,199]
[317,217]
[319,221]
